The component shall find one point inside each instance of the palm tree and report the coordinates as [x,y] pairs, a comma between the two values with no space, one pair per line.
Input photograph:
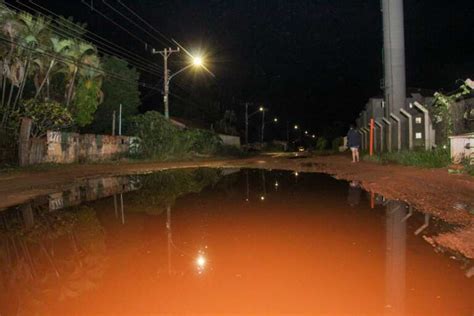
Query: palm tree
[34,33]
[78,52]
[57,50]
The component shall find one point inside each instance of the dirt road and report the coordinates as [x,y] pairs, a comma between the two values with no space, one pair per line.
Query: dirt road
[433,191]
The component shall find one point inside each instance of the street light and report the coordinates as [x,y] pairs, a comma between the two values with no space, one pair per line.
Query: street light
[306,132]
[247,116]
[196,61]
[296,127]
[275,120]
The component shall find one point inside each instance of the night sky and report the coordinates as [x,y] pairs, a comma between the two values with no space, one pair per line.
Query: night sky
[312,62]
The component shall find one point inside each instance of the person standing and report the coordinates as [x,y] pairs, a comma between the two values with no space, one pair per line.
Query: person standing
[353,142]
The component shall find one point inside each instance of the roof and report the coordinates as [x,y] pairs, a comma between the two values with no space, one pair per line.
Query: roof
[467,135]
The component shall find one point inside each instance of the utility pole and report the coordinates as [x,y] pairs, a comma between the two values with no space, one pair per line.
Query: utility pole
[394,56]
[113,123]
[166,76]
[263,124]
[246,123]
[120,120]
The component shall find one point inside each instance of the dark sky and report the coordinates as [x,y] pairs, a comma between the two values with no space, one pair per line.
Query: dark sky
[314,62]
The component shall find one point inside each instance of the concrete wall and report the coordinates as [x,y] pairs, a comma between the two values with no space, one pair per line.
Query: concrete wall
[230,140]
[462,147]
[58,147]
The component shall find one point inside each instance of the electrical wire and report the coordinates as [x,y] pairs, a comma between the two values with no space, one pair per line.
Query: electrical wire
[112,47]
[108,50]
[115,23]
[131,21]
[144,21]
[78,63]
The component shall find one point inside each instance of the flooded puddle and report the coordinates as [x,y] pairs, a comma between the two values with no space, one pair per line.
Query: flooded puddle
[226,241]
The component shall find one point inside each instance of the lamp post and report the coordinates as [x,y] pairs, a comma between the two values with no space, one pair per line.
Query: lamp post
[247,116]
[167,76]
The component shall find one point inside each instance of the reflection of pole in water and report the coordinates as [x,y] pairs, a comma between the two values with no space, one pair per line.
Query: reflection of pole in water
[121,208]
[168,230]
[264,182]
[28,215]
[115,206]
[248,186]
[395,258]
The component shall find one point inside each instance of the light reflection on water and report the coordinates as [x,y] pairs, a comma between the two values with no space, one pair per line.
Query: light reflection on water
[215,241]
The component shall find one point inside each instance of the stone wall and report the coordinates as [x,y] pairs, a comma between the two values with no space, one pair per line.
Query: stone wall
[59,147]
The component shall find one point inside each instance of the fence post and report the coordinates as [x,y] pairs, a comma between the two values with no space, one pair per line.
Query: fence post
[24,142]
[371,137]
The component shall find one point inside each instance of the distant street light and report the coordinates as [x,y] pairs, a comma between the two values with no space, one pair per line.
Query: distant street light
[306,132]
[275,120]
[313,136]
[247,116]
[296,126]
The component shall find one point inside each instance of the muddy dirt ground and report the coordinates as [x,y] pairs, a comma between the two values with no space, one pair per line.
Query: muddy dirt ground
[433,191]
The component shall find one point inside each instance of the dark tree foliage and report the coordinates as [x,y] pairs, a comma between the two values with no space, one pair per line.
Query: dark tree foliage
[116,92]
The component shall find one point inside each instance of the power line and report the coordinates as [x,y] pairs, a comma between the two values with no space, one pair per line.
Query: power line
[144,21]
[114,48]
[143,67]
[131,21]
[113,22]
[106,17]
[78,63]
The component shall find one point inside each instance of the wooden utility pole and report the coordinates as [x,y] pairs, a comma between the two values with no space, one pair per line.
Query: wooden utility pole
[166,53]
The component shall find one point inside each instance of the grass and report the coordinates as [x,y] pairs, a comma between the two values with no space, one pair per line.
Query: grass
[438,158]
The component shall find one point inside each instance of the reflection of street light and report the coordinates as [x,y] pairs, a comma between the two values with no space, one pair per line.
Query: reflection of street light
[201,261]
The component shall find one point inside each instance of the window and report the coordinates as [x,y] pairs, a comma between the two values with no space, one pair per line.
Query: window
[418,120]
[418,135]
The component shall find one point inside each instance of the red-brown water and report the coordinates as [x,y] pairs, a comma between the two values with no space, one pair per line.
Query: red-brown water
[253,242]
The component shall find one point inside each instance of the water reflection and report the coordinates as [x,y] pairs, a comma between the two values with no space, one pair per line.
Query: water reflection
[354,193]
[196,241]
[395,266]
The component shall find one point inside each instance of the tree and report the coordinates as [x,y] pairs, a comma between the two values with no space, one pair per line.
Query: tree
[116,92]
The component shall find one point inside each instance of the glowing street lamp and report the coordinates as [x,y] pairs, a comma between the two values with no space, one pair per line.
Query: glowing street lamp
[306,132]
[275,120]
[196,61]
[313,136]
[296,127]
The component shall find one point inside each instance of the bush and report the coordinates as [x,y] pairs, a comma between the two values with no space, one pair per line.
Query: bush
[45,115]
[159,139]
[438,158]
[321,143]
[336,143]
